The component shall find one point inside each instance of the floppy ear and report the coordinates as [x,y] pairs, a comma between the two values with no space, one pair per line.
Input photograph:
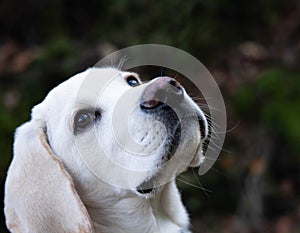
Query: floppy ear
[39,193]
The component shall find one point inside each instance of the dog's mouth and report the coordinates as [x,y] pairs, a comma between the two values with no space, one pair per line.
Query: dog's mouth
[173,140]
[150,186]
[147,187]
[145,191]
[172,123]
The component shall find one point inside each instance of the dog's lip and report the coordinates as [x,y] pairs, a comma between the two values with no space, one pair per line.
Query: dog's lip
[147,186]
[145,191]
[173,144]
[202,128]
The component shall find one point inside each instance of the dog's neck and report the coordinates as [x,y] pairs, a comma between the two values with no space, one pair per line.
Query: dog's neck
[163,213]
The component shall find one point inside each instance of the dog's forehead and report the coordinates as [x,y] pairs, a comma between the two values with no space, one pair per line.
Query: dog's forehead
[102,85]
[82,88]
[90,82]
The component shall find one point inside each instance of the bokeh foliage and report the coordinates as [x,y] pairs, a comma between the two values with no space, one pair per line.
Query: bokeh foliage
[273,101]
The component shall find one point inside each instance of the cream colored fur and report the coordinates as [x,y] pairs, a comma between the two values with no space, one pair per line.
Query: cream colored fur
[50,188]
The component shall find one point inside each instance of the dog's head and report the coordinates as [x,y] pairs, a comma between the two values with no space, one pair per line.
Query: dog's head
[113,134]
[128,134]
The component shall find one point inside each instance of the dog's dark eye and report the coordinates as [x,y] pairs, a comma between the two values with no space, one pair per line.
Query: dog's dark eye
[132,81]
[82,120]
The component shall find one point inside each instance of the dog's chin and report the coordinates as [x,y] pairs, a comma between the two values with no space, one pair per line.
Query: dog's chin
[151,185]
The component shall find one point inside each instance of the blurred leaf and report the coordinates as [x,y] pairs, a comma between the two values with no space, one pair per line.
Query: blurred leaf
[274,101]
[58,48]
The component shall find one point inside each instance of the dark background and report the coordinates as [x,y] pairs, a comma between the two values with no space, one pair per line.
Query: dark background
[252,48]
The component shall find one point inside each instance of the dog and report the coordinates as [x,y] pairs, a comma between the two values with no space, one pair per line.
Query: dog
[101,154]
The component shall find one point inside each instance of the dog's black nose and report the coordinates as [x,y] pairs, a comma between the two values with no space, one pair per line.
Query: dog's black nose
[164,90]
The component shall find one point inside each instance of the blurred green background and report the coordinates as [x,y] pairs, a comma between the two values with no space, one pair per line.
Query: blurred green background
[252,48]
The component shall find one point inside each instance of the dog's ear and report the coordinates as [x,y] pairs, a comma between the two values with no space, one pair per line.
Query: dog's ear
[39,193]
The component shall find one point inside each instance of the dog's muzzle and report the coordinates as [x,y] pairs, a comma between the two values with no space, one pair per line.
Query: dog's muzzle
[162,98]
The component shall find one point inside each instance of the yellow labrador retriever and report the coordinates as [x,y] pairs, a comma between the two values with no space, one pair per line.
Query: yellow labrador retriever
[101,153]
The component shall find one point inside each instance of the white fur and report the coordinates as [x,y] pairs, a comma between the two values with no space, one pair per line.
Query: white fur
[51,188]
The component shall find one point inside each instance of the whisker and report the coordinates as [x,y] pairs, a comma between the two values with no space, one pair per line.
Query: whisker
[193,185]
[122,61]
[214,169]
[196,176]
[206,106]
[199,98]
[176,75]
[218,147]
[233,128]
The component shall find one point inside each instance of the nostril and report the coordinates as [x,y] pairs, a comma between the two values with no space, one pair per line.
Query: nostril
[174,83]
[150,104]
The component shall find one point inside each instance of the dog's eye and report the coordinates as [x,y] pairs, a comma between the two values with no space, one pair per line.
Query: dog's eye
[132,81]
[82,119]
